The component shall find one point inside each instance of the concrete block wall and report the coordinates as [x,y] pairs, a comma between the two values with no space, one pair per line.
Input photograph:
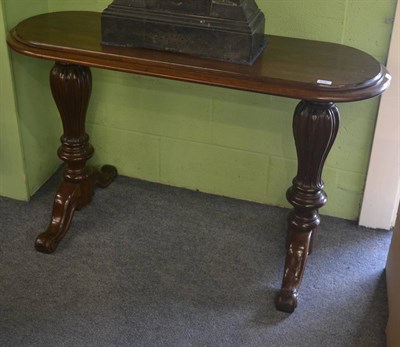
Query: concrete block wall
[227,142]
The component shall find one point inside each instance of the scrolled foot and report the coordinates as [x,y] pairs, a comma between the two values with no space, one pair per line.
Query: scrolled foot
[104,176]
[287,300]
[46,242]
[67,199]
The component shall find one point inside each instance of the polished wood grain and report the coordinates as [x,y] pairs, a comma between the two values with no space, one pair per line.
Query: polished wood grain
[319,73]
[71,86]
[288,67]
[315,126]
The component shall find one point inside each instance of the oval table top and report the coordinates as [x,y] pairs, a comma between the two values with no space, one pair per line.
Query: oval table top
[288,67]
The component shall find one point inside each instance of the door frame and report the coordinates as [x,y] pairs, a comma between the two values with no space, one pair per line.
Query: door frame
[382,190]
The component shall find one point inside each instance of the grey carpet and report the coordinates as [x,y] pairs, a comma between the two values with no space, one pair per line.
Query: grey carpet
[151,265]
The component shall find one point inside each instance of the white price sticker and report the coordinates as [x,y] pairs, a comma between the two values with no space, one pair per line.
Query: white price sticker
[324,82]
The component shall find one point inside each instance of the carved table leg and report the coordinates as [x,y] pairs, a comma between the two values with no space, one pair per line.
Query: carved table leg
[71,87]
[315,126]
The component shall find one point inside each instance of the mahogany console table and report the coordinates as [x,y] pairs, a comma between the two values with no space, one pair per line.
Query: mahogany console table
[318,73]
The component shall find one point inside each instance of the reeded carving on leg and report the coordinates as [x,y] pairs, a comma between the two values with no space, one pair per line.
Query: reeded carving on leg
[315,126]
[71,87]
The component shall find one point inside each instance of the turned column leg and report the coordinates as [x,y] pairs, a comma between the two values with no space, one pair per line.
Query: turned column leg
[71,88]
[315,126]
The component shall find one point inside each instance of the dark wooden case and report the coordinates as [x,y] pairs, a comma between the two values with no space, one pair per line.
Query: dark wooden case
[227,30]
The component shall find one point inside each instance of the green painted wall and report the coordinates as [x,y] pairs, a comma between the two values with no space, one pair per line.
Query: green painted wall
[221,141]
[37,117]
[12,172]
